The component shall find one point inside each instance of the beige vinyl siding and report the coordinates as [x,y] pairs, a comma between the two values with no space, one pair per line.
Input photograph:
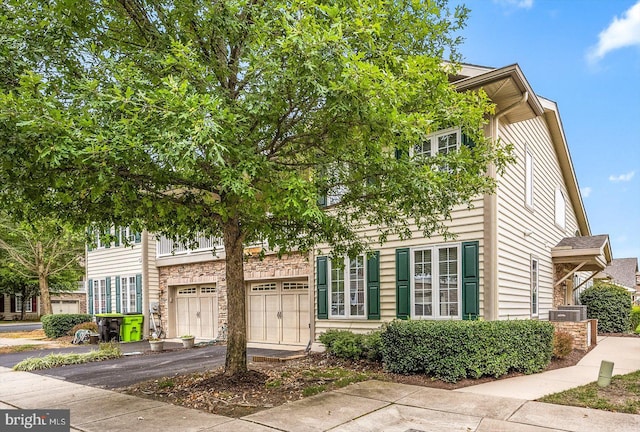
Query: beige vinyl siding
[466,224]
[524,233]
[114,262]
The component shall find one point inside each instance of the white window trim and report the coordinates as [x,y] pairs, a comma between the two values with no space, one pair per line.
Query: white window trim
[535,286]
[433,141]
[127,292]
[20,302]
[435,274]
[560,209]
[529,178]
[347,285]
[99,293]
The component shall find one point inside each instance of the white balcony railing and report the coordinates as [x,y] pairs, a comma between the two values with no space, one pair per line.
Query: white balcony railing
[167,247]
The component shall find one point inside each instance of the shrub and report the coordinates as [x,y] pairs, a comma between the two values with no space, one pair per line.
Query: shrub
[610,305]
[105,351]
[346,344]
[453,350]
[635,319]
[562,344]
[55,326]
[89,325]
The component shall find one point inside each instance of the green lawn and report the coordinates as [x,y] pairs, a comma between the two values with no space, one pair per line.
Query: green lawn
[622,395]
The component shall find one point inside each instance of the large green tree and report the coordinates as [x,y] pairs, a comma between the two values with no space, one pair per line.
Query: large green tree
[232,117]
[37,256]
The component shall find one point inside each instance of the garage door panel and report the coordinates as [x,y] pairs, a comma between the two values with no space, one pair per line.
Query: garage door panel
[256,318]
[272,326]
[197,312]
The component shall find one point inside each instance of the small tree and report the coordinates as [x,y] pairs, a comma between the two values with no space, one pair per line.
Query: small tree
[38,255]
[610,305]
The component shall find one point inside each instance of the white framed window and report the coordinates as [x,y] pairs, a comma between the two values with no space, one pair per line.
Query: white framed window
[347,287]
[560,209]
[99,296]
[441,142]
[435,282]
[528,178]
[128,303]
[534,286]
[127,235]
[20,303]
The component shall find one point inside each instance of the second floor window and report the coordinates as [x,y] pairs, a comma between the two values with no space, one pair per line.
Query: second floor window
[442,142]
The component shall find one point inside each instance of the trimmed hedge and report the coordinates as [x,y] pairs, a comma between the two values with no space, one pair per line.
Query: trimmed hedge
[454,350]
[346,344]
[58,325]
[610,305]
[635,319]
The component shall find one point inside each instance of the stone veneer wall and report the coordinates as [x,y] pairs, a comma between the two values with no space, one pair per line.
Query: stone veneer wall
[560,270]
[213,272]
[579,331]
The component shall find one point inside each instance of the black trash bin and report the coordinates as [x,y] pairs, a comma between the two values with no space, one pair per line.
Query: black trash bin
[109,326]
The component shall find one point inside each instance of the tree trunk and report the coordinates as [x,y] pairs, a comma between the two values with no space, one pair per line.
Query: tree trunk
[42,281]
[236,359]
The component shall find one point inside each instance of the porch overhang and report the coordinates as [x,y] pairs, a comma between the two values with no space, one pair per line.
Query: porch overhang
[587,254]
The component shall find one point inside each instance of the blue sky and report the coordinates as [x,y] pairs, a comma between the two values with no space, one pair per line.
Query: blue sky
[585,56]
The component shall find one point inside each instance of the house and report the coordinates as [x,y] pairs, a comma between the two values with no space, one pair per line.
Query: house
[515,253]
[184,288]
[623,272]
[11,307]
[121,276]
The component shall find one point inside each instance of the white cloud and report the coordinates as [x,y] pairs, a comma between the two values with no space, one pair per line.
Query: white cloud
[524,4]
[586,191]
[622,177]
[622,32]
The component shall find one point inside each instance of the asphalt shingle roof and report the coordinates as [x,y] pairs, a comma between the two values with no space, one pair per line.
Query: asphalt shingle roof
[587,242]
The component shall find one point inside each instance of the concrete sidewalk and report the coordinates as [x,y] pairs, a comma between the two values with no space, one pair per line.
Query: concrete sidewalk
[624,352]
[366,406]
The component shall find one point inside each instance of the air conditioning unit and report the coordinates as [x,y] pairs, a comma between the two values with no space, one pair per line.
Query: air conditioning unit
[564,315]
[581,308]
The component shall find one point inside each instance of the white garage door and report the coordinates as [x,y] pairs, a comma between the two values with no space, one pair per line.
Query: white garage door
[279,312]
[197,311]
[65,306]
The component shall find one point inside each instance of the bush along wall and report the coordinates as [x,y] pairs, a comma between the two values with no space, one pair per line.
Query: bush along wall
[58,325]
[454,350]
[610,305]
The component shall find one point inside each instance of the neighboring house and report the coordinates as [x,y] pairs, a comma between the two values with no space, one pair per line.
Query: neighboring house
[512,257]
[70,302]
[121,276]
[11,307]
[623,272]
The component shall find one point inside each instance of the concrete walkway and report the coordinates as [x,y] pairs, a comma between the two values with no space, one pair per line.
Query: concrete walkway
[624,352]
[366,406]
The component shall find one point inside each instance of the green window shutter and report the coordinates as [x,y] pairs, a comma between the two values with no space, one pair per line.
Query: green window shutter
[403,293]
[322,200]
[401,153]
[118,296]
[90,294]
[107,292]
[322,287]
[470,280]
[373,286]
[116,242]
[467,141]
[138,237]
[139,293]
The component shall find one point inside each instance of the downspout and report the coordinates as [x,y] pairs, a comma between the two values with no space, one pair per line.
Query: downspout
[145,283]
[491,303]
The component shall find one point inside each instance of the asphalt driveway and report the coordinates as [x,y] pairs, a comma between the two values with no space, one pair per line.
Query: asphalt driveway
[137,367]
